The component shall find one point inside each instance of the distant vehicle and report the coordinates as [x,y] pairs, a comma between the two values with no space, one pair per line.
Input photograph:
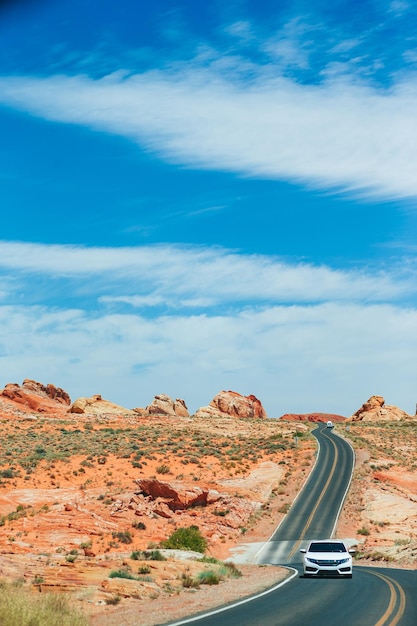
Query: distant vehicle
[327,557]
[329,424]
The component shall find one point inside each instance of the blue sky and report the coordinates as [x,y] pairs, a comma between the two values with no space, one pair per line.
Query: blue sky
[200,196]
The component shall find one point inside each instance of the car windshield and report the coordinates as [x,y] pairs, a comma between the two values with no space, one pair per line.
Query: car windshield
[327,547]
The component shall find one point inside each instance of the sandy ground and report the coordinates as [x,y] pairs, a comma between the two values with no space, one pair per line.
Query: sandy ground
[61,517]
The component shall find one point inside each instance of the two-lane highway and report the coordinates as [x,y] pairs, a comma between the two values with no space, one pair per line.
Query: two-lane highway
[373,597]
[314,513]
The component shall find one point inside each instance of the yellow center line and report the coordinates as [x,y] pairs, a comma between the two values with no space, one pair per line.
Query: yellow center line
[394,587]
[313,512]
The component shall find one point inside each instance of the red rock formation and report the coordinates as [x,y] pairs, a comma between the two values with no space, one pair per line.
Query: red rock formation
[312,417]
[177,495]
[375,410]
[36,396]
[164,405]
[232,404]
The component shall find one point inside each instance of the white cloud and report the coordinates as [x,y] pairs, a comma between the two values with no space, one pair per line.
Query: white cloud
[399,7]
[195,276]
[136,301]
[329,352]
[328,357]
[337,134]
[241,30]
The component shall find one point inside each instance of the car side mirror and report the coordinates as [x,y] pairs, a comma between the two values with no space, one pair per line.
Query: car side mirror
[352,551]
[303,550]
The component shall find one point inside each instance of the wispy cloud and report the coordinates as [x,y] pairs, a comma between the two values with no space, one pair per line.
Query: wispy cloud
[338,134]
[170,274]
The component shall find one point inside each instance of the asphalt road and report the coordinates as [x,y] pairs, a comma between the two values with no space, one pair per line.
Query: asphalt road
[314,513]
[373,597]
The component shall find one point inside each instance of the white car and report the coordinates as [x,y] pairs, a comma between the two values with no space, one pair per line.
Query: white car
[326,557]
[329,424]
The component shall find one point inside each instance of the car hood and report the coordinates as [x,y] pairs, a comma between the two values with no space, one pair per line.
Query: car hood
[329,556]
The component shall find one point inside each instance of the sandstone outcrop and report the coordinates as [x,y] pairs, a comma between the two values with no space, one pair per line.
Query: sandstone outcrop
[312,417]
[164,405]
[232,404]
[35,396]
[177,495]
[375,410]
[96,406]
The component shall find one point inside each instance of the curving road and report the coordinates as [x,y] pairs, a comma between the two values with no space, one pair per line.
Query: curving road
[314,513]
[373,597]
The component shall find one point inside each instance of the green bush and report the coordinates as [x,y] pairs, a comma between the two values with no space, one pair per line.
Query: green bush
[124,536]
[209,578]
[121,573]
[188,582]
[71,558]
[188,538]
[7,473]
[144,555]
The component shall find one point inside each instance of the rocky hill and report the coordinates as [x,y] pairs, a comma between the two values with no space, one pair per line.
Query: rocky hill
[313,417]
[34,397]
[375,410]
[232,404]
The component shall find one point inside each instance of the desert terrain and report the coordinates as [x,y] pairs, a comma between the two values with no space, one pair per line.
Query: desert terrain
[89,496]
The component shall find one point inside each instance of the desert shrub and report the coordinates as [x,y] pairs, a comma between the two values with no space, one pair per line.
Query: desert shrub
[363,531]
[189,538]
[124,536]
[209,577]
[137,555]
[144,555]
[144,569]
[113,600]
[208,559]
[19,606]
[402,542]
[121,573]
[37,580]
[71,558]
[163,469]
[7,473]
[188,582]
[138,525]
[232,570]
[155,555]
